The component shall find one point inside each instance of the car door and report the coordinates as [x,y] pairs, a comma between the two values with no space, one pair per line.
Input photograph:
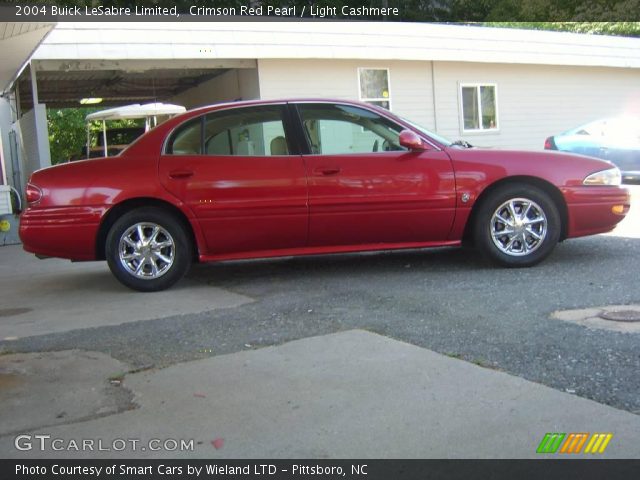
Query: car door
[364,188]
[236,170]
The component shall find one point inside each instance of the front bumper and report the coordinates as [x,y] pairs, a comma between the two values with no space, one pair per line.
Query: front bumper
[595,209]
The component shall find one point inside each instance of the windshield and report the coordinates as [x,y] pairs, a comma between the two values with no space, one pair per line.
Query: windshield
[446,142]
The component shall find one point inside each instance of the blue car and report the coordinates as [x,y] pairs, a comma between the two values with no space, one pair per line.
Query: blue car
[613,139]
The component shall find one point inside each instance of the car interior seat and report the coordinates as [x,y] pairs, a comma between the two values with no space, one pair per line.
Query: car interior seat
[278,146]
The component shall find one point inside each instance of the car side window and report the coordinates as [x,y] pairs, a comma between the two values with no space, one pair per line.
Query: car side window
[344,129]
[186,139]
[251,131]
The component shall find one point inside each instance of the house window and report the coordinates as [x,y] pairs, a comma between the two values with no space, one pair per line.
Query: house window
[374,86]
[479,105]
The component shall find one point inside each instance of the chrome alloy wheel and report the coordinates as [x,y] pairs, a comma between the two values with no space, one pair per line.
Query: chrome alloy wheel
[146,250]
[518,227]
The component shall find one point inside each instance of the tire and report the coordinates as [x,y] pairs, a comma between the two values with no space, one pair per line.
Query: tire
[159,261]
[517,225]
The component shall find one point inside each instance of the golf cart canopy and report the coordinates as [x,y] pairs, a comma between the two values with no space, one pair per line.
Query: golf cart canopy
[149,111]
[136,111]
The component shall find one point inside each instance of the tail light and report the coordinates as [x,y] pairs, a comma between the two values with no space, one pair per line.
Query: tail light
[33,193]
[549,144]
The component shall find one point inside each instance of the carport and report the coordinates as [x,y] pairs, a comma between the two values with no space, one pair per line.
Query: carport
[63,83]
[118,66]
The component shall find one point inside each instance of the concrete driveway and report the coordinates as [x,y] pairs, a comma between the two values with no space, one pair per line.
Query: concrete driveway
[353,355]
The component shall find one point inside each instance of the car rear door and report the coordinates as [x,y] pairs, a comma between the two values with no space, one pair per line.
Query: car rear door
[239,172]
[364,188]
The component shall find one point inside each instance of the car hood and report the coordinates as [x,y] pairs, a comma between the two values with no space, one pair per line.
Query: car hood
[559,168]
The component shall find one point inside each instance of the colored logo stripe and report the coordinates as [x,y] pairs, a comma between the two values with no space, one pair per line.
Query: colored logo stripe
[573,442]
[598,443]
[550,443]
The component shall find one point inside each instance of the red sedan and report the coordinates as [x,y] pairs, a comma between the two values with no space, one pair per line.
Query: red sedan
[275,178]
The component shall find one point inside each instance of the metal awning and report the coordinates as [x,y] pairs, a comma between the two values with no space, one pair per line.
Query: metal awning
[116,86]
[17,42]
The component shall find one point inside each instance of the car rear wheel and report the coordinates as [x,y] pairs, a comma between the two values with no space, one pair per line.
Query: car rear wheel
[517,225]
[147,249]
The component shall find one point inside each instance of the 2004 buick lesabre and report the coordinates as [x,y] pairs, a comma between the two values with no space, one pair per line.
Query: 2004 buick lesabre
[293,177]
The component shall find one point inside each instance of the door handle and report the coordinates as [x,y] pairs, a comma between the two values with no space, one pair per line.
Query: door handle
[177,174]
[326,170]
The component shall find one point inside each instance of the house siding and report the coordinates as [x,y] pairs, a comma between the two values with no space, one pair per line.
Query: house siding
[410,83]
[534,101]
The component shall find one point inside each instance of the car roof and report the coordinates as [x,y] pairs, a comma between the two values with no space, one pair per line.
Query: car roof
[281,101]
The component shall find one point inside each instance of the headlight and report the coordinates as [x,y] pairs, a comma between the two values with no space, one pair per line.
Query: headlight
[610,176]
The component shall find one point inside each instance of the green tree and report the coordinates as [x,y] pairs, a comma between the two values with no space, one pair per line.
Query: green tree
[67,132]
[551,11]
[625,29]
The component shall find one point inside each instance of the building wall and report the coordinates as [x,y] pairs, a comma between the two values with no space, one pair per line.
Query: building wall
[409,82]
[534,101]
[234,84]
[33,138]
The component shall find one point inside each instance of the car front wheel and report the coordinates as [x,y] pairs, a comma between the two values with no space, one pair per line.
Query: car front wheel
[517,225]
[147,249]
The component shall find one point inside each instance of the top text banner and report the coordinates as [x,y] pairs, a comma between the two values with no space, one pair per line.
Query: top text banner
[63,13]
[494,11]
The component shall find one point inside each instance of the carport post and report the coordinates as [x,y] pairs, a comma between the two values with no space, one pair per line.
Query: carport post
[88,138]
[34,84]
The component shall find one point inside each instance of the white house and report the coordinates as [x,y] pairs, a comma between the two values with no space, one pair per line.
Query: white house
[494,87]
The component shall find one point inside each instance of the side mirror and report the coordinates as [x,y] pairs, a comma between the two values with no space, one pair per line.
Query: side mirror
[410,139]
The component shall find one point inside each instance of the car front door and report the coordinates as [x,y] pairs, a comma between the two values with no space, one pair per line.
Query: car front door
[364,188]
[237,171]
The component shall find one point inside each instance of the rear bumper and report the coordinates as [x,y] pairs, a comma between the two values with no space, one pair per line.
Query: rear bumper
[65,232]
[594,209]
